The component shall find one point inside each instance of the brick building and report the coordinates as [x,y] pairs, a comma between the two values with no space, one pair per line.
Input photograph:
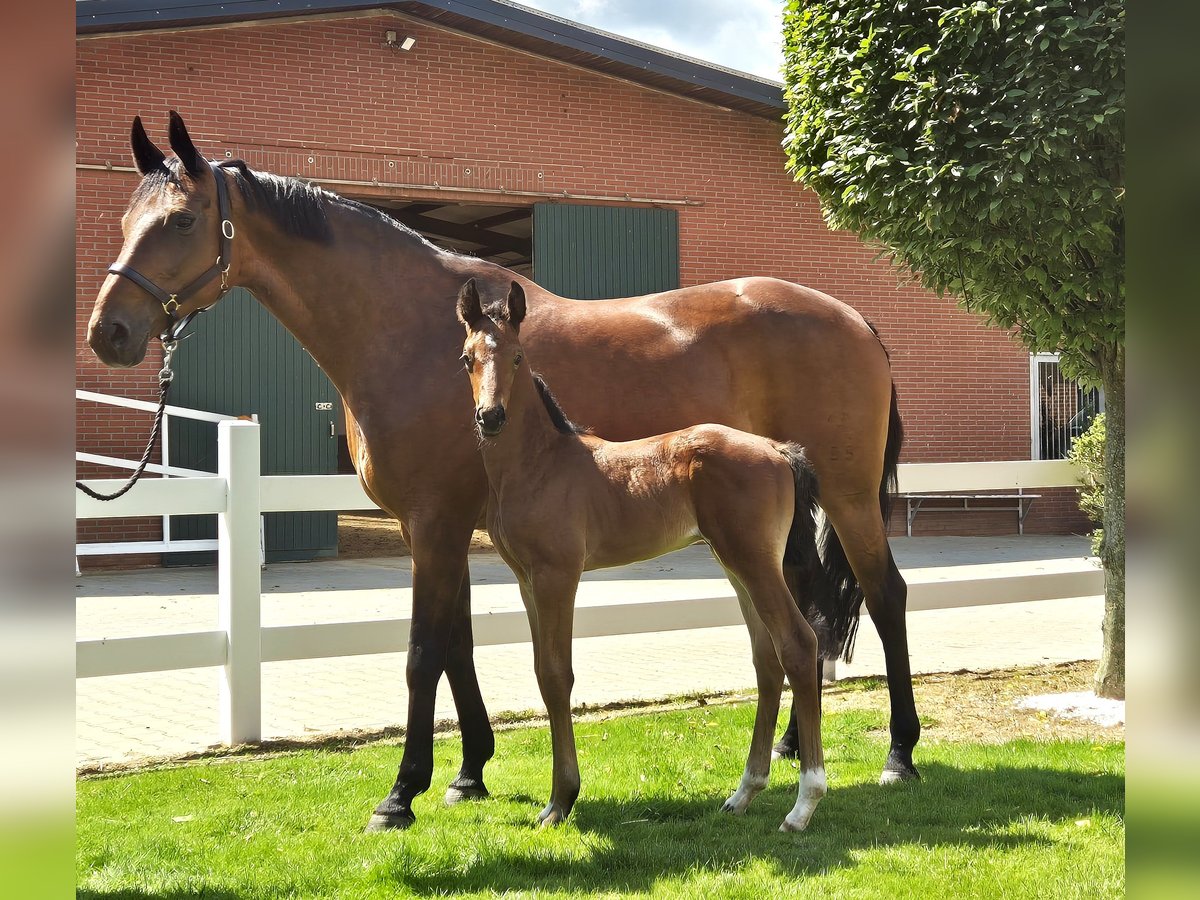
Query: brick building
[491,111]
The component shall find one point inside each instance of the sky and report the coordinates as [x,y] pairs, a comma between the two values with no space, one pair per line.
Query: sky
[738,34]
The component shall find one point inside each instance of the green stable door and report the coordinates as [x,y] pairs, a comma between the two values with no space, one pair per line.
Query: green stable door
[239,360]
[600,252]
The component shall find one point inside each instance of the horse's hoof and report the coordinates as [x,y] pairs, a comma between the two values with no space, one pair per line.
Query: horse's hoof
[783,750]
[551,816]
[390,821]
[733,808]
[458,791]
[897,769]
[788,826]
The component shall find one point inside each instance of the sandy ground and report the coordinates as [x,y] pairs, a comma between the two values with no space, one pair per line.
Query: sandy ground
[983,706]
[369,535]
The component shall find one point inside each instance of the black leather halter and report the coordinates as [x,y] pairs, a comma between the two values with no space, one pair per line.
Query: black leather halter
[171,302]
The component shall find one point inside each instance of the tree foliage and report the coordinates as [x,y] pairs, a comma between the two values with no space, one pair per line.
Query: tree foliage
[982,145]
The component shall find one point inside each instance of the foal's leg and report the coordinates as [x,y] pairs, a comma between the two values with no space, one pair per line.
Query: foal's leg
[788,746]
[770,686]
[554,600]
[439,564]
[479,744]
[862,534]
[796,648]
[789,742]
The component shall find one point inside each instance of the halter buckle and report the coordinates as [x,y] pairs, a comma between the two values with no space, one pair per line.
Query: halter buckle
[171,307]
[227,229]
[224,275]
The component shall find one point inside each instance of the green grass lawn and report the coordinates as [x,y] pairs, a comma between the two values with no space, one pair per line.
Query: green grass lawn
[1022,819]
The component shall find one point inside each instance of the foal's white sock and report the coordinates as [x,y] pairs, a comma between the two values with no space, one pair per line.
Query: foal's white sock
[812,789]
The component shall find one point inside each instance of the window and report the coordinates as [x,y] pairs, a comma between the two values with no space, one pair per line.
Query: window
[1060,409]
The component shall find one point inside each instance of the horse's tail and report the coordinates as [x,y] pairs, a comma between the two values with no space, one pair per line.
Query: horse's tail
[843,626]
[802,568]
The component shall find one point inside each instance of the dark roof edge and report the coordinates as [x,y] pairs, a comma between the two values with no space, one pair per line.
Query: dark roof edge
[115,16]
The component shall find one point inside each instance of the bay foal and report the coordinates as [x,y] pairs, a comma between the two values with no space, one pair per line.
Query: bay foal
[563,501]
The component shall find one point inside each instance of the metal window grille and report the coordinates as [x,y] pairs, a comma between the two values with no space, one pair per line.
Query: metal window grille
[1060,409]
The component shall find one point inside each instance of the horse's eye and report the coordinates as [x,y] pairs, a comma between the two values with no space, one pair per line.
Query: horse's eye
[517,360]
[466,361]
[185,222]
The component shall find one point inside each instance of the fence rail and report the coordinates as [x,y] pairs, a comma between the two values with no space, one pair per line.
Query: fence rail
[238,494]
[166,545]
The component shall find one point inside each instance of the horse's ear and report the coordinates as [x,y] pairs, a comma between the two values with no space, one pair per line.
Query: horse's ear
[469,309]
[146,156]
[515,311]
[181,143]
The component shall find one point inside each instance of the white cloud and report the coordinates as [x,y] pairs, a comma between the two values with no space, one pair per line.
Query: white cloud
[738,34]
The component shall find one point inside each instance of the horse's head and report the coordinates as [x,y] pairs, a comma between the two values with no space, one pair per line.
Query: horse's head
[492,352]
[174,229]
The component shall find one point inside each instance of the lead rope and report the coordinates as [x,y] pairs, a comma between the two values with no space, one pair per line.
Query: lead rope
[165,376]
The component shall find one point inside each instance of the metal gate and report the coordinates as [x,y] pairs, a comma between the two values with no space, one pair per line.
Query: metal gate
[1060,409]
[599,252]
[239,360]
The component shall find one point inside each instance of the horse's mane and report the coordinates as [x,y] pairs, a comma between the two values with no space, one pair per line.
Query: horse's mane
[299,208]
[557,416]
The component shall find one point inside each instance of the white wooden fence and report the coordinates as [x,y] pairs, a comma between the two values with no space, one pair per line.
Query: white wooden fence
[167,544]
[238,494]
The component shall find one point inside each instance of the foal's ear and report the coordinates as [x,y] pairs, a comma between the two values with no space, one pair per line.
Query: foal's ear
[515,305]
[146,156]
[469,309]
[181,143]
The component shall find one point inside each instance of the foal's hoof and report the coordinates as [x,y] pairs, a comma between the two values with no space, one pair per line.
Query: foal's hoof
[460,790]
[898,769]
[734,807]
[390,821]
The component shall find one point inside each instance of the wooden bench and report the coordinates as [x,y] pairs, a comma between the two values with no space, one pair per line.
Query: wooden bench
[913,504]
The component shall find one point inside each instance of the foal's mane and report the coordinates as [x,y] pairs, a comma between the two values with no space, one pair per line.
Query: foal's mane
[298,208]
[557,416]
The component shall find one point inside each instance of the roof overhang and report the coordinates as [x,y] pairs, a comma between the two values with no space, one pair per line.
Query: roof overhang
[495,20]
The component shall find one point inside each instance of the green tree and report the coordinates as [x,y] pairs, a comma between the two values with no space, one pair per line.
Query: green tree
[982,146]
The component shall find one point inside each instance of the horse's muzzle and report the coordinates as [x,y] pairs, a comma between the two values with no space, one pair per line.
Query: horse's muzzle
[114,343]
[490,421]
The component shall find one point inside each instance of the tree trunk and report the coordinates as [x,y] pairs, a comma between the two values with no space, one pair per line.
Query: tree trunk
[1110,675]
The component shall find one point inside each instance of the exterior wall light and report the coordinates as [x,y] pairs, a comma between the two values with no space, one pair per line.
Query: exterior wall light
[391,39]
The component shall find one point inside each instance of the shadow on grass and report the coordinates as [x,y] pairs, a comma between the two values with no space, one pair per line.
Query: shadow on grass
[635,844]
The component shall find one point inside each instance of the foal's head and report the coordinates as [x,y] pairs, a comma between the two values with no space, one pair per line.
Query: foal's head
[492,352]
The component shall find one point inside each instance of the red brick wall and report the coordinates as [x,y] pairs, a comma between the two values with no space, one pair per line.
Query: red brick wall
[465,113]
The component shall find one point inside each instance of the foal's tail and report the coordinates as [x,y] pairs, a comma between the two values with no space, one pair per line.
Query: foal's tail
[848,593]
[802,568]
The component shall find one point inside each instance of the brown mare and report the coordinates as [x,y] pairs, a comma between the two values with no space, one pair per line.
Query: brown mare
[562,502]
[369,300]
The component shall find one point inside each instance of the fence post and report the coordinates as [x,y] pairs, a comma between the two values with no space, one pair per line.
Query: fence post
[240,582]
